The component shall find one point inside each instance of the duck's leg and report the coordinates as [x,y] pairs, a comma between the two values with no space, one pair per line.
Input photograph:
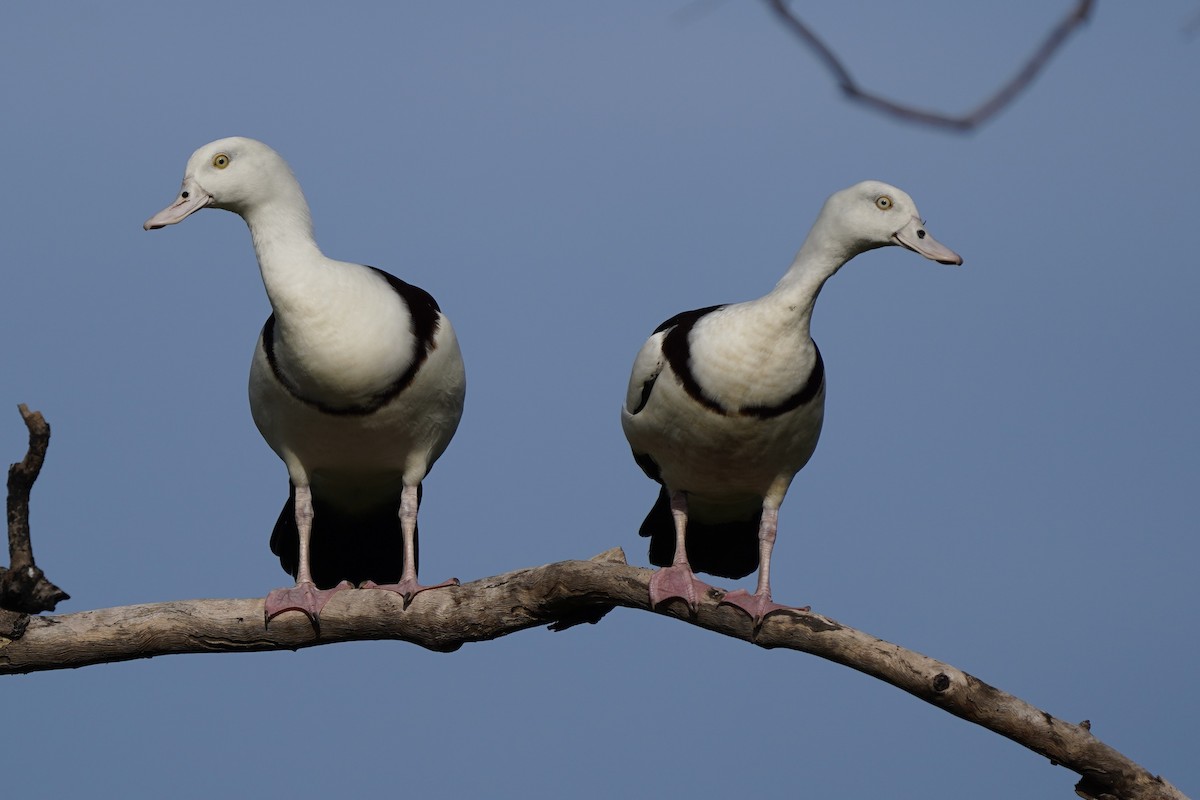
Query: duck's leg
[304,596]
[408,586]
[678,580]
[759,605]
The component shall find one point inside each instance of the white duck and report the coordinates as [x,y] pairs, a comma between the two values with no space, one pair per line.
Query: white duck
[357,383]
[725,404]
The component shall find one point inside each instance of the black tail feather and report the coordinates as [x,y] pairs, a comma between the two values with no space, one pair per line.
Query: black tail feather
[351,547]
[724,549]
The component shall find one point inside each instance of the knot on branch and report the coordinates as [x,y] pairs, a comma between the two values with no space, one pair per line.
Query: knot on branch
[26,590]
[1095,786]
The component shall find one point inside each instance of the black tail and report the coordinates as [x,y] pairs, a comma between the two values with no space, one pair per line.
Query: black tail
[724,549]
[344,547]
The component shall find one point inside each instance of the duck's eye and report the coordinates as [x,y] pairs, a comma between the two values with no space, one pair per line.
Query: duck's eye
[883,202]
[220,161]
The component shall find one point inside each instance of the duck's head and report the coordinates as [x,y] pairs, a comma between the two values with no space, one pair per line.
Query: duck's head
[236,174]
[875,214]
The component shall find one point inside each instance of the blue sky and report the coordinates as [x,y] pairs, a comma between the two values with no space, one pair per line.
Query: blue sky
[1009,465]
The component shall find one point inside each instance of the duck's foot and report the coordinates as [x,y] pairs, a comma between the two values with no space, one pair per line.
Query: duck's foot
[303,597]
[677,581]
[757,606]
[407,588]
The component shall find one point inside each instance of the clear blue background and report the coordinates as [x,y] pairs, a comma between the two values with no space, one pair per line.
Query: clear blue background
[1009,469]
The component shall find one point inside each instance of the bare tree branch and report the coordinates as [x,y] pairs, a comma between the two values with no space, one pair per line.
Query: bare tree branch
[23,587]
[1017,84]
[446,619]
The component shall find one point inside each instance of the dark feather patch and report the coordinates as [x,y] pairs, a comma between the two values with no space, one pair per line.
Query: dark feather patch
[687,317]
[422,309]
[648,466]
[352,547]
[678,352]
[647,388]
[726,549]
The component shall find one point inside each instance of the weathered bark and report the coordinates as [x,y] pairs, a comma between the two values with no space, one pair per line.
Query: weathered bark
[23,587]
[561,595]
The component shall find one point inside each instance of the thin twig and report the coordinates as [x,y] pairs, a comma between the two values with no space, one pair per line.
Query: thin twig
[446,619]
[965,122]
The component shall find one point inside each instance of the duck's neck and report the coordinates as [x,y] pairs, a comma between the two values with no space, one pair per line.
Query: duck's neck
[288,256]
[821,255]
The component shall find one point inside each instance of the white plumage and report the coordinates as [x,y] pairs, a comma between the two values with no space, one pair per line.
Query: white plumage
[725,405]
[357,383]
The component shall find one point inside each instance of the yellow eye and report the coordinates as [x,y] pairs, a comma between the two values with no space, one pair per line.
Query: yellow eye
[883,202]
[220,161]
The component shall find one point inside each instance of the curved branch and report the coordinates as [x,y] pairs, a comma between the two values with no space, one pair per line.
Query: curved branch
[23,587]
[985,111]
[562,594]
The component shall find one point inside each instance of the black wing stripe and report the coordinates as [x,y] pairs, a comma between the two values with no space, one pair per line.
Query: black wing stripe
[678,352]
[424,312]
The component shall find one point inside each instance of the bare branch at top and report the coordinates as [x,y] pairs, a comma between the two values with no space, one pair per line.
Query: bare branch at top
[965,122]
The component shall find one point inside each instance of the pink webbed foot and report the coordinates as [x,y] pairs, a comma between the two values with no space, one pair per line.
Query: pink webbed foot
[677,581]
[408,588]
[304,597]
[757,606]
